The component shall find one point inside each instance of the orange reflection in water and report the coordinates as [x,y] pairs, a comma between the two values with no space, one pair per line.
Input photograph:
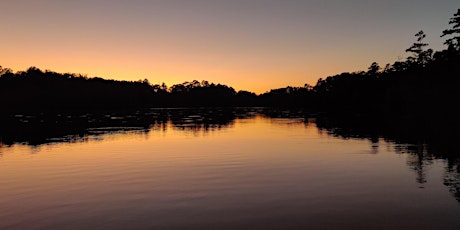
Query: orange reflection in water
[254,172]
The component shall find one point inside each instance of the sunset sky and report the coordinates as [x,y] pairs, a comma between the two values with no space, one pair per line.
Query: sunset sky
[253,45]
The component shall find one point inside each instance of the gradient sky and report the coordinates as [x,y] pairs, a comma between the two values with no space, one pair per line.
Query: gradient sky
[253,45]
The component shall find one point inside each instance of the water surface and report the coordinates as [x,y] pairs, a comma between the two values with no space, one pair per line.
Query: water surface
[250,172]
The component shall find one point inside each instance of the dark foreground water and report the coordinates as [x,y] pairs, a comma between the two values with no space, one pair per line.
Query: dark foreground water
[250,171]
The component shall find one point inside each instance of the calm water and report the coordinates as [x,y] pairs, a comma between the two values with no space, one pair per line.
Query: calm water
[252,172]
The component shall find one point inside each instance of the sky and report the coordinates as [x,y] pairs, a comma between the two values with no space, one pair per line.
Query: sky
[253,45]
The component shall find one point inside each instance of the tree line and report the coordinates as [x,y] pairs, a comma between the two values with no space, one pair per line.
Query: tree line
[425,84]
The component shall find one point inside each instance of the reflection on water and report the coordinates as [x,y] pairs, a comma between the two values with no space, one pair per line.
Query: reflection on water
[245,168]
[420,154]
[37,129]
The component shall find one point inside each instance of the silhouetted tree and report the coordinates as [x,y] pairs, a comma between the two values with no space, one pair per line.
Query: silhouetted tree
[164,87]
[420,55]
[399,66]
[454,41]
[4,71]
[374,69]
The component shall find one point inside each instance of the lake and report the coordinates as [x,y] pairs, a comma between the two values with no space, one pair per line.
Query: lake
[249,169]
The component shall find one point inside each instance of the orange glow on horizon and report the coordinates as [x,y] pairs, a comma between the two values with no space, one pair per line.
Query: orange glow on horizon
[245,46]
[263,80]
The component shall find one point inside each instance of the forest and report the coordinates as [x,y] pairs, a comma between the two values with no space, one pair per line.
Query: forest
[423,87]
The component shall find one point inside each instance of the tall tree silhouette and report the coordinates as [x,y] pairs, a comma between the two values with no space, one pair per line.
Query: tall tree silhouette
[454,41]
[420,55]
